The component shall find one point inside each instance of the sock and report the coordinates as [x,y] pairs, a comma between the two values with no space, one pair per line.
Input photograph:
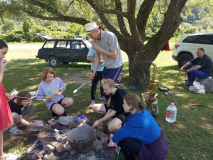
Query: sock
[64,114]
[53,114]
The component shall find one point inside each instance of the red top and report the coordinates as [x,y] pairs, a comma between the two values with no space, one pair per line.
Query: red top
[5,112]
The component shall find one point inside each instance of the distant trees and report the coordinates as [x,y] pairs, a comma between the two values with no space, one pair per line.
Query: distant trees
[19,30]
[8,26]
[142,27]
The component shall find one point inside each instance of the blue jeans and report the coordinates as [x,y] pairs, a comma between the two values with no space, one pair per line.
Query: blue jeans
[195,74]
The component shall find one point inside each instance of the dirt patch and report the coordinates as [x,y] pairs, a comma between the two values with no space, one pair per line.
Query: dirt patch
[78,78]
[82,77]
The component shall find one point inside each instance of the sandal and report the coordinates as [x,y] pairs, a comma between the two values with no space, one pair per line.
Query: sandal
[133,88]
[12,156]
[15,131]
[163,88]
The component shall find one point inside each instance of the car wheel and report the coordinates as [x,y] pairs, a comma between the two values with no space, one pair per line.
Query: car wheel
[65,62]
[53,61]
[183,59]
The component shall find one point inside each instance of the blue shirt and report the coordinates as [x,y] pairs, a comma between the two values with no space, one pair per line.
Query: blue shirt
[91,53]
[141,126]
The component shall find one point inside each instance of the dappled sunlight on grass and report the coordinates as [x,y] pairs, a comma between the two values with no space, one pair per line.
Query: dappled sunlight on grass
[190,137]
[32,87]
[180,126]
[207,126]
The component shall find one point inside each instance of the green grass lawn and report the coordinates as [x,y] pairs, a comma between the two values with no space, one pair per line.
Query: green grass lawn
[190,137]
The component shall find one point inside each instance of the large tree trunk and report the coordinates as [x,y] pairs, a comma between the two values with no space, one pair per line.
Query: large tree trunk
[139,65]
[130,36]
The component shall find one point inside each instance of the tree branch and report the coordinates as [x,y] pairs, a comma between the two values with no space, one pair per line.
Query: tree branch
[68,7]
[121,23]
[116,12]
[143,15]
[131,6]
[96,7]
[81,21]
[171,22]
[44,6]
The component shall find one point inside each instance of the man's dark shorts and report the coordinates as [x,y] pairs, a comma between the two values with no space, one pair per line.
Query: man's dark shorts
[122,116]
[112,73]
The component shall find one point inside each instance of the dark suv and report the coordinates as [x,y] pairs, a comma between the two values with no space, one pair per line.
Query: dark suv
[63,50]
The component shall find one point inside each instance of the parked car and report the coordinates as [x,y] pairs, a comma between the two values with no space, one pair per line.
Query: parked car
[186,47]
[56,50]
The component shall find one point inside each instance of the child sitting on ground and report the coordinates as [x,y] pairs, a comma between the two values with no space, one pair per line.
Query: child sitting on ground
[141,134]
[113,109]
[51,89]
[21,108]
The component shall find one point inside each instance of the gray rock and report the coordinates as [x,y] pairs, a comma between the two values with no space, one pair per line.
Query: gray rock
[35,154]
[59,148]
[207,83]
[97,145]
[47,140]
[103,138]
[50,156]
[49,148]
[41,154]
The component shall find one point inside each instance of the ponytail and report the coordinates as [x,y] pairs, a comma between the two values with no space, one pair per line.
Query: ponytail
[135,101]
[109,101]
[142,105]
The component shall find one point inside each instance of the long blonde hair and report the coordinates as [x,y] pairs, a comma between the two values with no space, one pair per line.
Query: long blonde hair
[111,83]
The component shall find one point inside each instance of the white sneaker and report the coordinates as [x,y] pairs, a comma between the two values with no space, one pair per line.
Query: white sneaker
[92,103]
[101,97]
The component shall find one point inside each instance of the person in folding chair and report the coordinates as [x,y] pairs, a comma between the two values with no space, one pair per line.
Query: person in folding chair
[21,108]
[50,90]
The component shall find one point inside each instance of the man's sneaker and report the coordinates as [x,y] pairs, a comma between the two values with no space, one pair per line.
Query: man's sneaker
[188,85]
[185,82]
[101,97]
[92,103]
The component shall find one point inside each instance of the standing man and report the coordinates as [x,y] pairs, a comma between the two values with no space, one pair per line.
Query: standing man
[200,67]
[106,45]
[97,77]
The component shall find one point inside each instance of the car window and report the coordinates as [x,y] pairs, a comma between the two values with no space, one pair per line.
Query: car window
[63,44]
[77,45]
[88,43]
[206,39]
[191,39]
[49,44]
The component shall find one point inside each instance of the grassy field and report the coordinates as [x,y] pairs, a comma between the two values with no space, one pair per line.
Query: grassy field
[190,137]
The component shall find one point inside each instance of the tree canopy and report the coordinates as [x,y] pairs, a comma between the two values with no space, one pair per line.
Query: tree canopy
[127,19]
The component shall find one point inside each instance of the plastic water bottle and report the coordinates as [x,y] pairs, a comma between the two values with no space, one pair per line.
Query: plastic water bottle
[14,93]
[171,113]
